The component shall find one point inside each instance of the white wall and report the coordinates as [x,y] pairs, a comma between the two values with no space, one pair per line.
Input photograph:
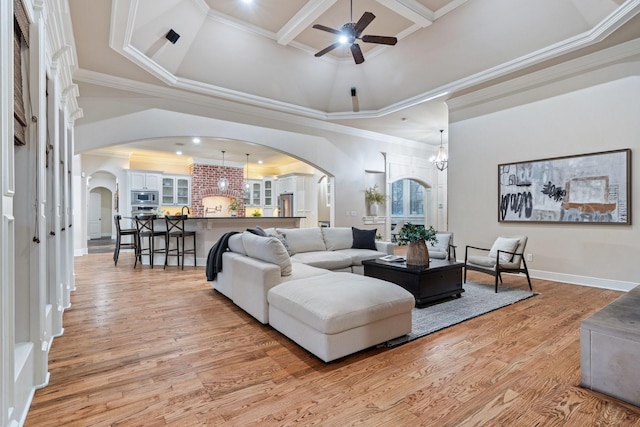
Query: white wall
[598,118]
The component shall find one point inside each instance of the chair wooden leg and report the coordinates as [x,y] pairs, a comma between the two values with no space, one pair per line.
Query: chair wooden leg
[497,275]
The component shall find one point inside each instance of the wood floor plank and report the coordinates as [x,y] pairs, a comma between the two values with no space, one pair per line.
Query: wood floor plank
[154,347]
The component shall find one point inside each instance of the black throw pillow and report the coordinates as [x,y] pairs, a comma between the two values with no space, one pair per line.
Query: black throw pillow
[364,239]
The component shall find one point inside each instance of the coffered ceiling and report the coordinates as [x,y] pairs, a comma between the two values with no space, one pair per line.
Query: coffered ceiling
[261,53]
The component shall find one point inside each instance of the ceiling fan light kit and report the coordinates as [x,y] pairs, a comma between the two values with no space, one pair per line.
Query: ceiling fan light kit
[351,32]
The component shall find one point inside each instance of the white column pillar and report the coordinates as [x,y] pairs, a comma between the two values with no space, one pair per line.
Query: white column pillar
[54,235]
[7,237]
[38,283]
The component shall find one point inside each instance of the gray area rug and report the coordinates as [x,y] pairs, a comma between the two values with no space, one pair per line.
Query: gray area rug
[477,299]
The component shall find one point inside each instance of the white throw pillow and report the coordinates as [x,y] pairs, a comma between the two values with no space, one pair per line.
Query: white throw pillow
[235,244]
[443,241]
[267,249]
[504,244]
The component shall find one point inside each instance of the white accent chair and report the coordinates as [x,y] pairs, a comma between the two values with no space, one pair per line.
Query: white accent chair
[442,249]
[505,256]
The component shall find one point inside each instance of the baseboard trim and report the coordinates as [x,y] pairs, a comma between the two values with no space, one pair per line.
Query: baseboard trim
[594,282]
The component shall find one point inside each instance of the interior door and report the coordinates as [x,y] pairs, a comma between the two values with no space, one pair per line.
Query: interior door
[94,221]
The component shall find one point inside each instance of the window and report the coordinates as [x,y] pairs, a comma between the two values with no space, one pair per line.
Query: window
[408,199]
[397,197]
[416,195]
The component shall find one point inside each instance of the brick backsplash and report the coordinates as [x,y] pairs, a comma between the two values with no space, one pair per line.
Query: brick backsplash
[204,183]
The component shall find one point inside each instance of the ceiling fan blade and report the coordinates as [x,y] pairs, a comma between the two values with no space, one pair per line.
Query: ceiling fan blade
[357,53]
[324,28]
[364,21]
[380,40]
[327,49]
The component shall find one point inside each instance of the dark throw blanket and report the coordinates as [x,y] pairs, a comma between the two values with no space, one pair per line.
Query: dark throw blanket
[214,259]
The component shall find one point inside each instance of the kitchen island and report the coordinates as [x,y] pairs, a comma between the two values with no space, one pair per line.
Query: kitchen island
[210,229]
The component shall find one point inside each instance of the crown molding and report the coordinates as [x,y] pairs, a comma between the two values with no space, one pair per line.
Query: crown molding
[198,99]
[621,52]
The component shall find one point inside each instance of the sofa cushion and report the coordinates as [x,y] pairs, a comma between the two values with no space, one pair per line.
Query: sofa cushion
[336,238]
[304,239]
[235,244]
[437,253]
[504,244]
[340,301]
[482,261]
[331,260]
[359,255]
[267,249]
[364,239]
[303,271]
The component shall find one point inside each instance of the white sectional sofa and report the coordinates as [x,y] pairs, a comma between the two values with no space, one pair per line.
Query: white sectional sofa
[304,277]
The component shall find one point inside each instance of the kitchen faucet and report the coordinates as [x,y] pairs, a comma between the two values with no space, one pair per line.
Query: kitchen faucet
[182,211]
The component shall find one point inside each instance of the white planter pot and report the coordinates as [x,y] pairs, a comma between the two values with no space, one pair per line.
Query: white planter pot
[373,209]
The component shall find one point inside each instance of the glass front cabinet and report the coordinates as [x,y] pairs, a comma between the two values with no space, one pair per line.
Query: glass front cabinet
[253,197]
[176,190]
[269,193]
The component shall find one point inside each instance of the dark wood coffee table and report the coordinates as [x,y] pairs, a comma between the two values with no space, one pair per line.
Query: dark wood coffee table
[441,279]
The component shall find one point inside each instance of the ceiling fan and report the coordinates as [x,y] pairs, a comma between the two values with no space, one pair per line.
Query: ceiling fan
[350,32]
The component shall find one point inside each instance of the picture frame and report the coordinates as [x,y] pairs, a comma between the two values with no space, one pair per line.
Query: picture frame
[583,188]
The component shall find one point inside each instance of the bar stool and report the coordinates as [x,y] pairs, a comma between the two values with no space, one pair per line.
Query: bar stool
[146,230]
[120,232]
[176,229]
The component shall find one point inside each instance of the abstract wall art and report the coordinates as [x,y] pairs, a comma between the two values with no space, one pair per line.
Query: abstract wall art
[585,188]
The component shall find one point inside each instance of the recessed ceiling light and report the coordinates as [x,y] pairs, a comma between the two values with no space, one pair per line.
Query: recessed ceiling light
[179,153]
[247,1]
[196,140]
[259,162]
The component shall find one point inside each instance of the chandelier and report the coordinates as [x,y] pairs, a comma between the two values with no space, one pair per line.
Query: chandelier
[246,180]
[441,161]
[223,182]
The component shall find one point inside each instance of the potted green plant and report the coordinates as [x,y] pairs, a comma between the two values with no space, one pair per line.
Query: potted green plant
[256,213]
[416,237]
[374,197]
[233,207]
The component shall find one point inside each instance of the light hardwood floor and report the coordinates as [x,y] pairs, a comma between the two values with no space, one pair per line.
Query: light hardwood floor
[150,347]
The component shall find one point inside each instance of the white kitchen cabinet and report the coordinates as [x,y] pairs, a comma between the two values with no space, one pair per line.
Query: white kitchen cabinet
[253,196]
[270,196]
[268,185]
[176,190]
[144,180]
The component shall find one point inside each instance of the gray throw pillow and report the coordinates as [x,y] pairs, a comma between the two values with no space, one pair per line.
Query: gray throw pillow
[284,242]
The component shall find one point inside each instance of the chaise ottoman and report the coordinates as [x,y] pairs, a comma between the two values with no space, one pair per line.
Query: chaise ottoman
[337,314]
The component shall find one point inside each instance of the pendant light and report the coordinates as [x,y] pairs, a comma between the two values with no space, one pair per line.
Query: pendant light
[441,161]
[223,182]
[246,180]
